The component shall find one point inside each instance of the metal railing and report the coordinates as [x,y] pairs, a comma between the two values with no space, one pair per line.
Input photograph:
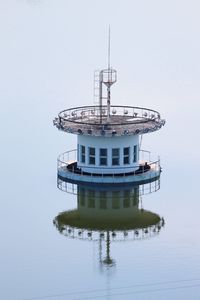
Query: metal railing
[115,235]
[144,189]
[90,114]
[69,158]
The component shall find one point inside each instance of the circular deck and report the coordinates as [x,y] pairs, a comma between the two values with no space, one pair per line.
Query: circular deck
[70,173]
[124,120]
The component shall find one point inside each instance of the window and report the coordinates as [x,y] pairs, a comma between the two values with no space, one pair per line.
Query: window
[91,203]
[135,153]
[116,196]
[135,196]
[126,202]
[103,157]
[91,156]
[82,197]
[115,203]
[102,200]
[83,154]
[126,198]
[115,156]
[126,155]
[91,199]
[103,204]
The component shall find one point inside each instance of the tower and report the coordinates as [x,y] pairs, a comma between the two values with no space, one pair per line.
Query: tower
[108,149]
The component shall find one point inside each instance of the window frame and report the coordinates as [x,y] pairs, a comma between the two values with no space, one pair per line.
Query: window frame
[126,156]
[104,157]
[135,153]
[92,156]
[116,157]
[91,199]
[83,154]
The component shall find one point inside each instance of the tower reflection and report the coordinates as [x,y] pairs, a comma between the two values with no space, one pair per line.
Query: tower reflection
[107,215]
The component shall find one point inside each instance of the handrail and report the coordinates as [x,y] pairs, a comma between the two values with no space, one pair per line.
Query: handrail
[119,235]
[78,114]
[62,162]
[75,150]
[144,189]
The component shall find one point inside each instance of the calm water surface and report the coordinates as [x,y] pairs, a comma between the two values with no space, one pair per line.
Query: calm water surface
[41,64]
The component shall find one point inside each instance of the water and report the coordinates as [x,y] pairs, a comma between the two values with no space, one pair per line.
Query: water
[42,72]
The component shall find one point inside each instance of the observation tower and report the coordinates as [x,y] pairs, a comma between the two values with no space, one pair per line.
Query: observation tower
[108,139]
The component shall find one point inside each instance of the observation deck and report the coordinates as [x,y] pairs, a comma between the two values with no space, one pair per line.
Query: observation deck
[146,170]
[108,139]
[123,120]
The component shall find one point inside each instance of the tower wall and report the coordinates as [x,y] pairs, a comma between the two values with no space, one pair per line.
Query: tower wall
[126,162]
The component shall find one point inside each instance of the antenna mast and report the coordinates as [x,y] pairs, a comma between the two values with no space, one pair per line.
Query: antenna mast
[108,77]
[109,48]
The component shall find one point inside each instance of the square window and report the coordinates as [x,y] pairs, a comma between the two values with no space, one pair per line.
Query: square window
[126,202]
[92,151]
[127,194]
[115,203]
[116,194]
[126,151]
[115,161]
[103,195]
[91,202]
[103,204]
[92,160]
[103,152]
[103,161]
[115,152]
[126,160]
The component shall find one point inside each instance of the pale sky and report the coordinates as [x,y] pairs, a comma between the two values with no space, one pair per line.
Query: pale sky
[50,49]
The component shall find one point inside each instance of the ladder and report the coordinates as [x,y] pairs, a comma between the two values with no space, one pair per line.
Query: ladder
[96,96]
[96,87]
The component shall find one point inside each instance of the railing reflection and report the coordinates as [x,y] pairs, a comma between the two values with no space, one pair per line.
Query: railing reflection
[144,189]
[107,215]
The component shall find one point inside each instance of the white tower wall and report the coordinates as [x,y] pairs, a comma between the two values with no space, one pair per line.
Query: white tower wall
[109,143]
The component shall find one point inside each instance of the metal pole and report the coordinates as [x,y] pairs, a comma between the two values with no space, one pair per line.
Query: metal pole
[100,94]
[108,104]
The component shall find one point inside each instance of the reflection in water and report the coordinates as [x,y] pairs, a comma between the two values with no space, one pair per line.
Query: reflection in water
[107,215]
